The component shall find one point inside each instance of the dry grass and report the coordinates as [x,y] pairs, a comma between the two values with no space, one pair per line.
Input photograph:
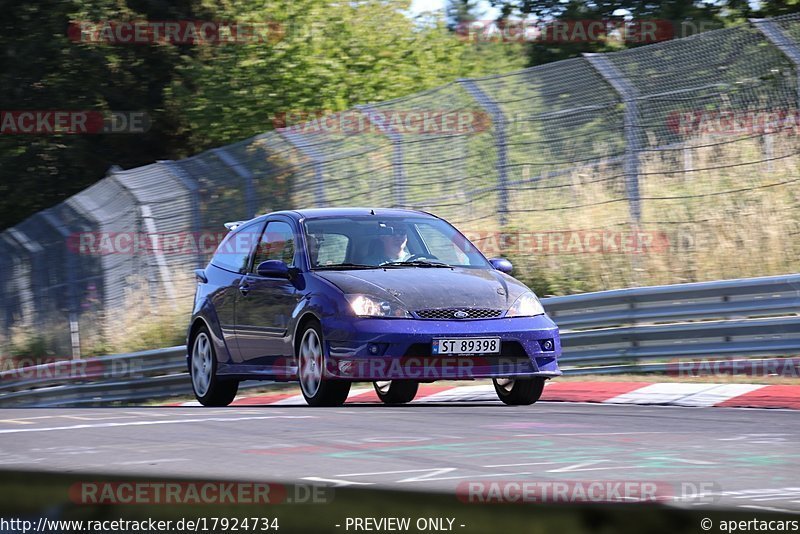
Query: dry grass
[739,219]
[149,320]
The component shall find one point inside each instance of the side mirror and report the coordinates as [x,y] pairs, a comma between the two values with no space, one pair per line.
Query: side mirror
[502,265]
[273,269]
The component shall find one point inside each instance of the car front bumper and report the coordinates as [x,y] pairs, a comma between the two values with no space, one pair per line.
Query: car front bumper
[396,349]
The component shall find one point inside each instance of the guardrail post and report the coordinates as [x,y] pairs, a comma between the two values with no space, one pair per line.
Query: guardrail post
[244,173]
[398,170]
[499,124]
[782,42]
[307,149]
[628,94]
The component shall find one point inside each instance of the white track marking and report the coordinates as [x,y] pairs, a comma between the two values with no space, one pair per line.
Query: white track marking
[337,483]
[681,460]
[156,460]
[584,466]
[432,474]
[766,508]
[144,423]
[522,464]
[718,394]
[661,393]
[484,392]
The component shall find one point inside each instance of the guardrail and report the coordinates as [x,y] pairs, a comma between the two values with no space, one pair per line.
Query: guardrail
[617,331]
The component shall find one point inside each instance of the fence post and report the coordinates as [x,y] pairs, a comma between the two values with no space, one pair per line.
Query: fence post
[627,93]
[398,171]
[194,195]
[151,230]
[31,248]
[788,47]
[783,42]
[72,282]
[499,124]
[244,173]
[296,140]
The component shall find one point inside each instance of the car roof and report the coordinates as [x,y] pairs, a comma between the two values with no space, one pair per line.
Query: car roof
[315,213]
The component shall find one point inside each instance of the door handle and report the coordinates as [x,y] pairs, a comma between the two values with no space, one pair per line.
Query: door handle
[244,289]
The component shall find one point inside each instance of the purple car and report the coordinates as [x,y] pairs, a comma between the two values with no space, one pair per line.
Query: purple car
[328,297]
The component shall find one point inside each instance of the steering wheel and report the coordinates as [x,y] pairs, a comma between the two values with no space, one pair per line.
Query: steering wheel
[414,257]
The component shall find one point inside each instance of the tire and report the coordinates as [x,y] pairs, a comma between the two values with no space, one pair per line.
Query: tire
[519,391]
[209,389]
[317,390]
[396,391]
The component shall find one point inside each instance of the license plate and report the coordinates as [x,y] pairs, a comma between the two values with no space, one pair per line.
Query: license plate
[467,345]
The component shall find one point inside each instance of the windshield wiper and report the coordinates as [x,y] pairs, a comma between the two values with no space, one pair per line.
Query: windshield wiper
[415,263]
[345,266]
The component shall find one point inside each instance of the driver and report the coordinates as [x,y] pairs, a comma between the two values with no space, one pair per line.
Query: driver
[389,247]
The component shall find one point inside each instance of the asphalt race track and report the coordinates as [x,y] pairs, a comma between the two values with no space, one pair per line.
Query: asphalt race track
[711,456]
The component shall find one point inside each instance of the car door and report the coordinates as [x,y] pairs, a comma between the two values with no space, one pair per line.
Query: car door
[264,305]
[232,260]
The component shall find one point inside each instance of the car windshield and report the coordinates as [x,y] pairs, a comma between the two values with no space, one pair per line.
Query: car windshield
[371,241]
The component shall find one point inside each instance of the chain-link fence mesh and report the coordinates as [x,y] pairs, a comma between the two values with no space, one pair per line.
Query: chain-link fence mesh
[666,163]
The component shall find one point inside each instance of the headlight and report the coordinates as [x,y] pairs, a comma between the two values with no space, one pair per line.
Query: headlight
[367,306]
[527,305]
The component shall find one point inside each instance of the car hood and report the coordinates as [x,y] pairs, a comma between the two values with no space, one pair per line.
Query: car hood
[419,288]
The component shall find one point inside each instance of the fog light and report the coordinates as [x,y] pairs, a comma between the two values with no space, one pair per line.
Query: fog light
[546,344]
[373,349]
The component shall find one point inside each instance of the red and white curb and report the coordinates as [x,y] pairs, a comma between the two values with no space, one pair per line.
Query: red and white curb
[643,393]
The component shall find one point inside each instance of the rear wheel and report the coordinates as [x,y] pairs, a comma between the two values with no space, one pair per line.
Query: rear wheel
[311,371]
[396,391]
[209,389]
[519,391]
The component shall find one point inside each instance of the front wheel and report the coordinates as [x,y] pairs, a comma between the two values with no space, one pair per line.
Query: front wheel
[208,388]
[396,391]
[311,371]
[519,391]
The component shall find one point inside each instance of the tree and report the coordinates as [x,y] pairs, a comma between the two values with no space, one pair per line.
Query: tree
[42,69]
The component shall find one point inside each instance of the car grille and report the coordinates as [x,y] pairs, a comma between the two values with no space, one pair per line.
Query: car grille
[456,313]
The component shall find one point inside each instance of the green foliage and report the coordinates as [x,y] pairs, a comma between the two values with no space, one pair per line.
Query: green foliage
[329,58]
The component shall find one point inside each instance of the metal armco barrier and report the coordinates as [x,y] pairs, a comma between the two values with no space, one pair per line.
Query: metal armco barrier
[602,333]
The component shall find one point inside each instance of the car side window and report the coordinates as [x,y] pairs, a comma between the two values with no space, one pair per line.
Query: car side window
[235,250]
[276,243]
[330,249]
